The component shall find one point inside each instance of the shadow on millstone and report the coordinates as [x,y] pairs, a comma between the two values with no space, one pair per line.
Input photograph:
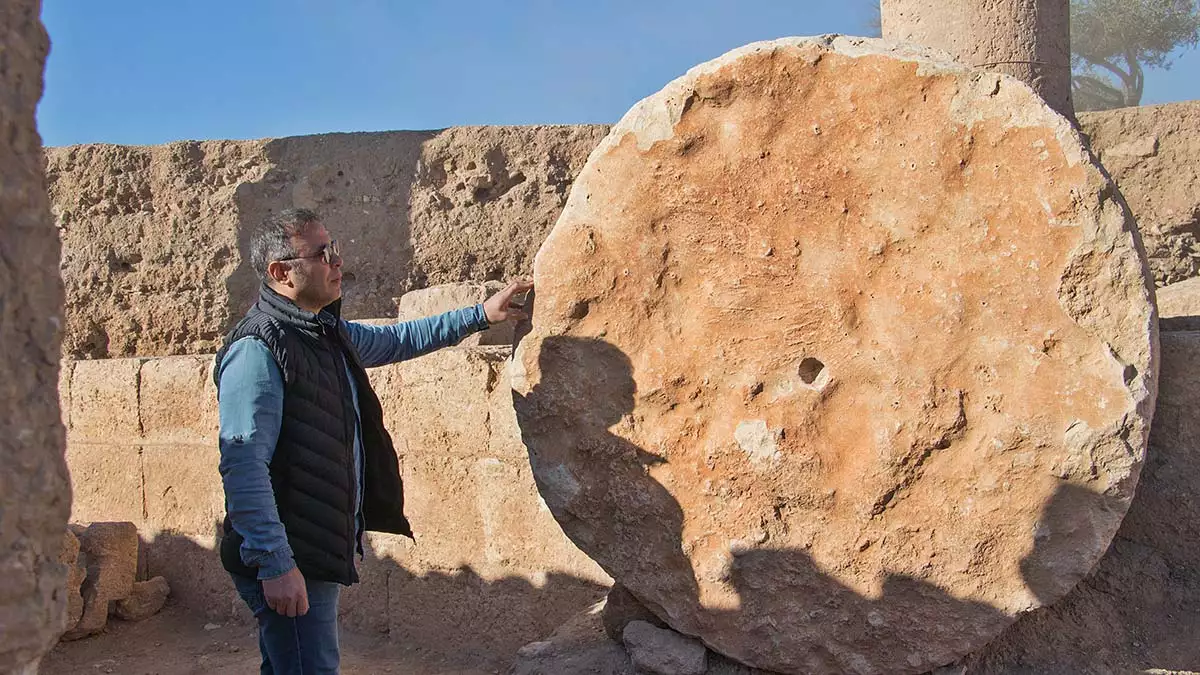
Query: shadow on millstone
[602,372]
[843,629]
[1139,608]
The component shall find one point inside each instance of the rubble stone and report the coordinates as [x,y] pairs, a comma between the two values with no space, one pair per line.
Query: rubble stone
[662,651]
[842,358]
[144,600]
[111,550]
[34,494]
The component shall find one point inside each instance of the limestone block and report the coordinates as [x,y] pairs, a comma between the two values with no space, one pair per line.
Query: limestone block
[144,600]
[183,488]
[842,357]
[178,400]
[505,441]
[1151,151]
[622,609]
[1179,305]
[111,549]
[435,300]
[106,481]
[104,402]
[662,651]
[76,573]
[437,401]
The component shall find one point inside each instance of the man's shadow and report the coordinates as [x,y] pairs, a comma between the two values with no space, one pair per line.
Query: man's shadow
[586,388]
[601,491]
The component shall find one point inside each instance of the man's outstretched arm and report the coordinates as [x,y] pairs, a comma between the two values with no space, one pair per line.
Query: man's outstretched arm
[381,345]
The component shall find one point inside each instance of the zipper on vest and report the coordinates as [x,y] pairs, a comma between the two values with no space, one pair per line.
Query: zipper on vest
[349,417]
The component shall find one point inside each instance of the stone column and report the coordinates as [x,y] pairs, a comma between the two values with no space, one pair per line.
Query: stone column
[34,494]
[1028,39]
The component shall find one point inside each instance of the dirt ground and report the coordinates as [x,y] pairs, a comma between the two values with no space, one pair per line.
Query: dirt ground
[176,642]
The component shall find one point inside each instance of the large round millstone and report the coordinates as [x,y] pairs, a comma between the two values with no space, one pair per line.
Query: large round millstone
[842,357]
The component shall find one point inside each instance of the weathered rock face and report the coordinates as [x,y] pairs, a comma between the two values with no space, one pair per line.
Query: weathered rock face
[842,358]
[34,498]
[1151,152]
[153,236]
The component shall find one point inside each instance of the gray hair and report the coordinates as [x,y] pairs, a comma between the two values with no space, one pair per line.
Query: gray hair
[272,240]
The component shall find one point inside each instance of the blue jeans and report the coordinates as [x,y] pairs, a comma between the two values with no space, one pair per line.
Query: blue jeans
[304,645]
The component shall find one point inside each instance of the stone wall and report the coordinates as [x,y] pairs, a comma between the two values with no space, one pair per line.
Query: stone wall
[33,489]
[1153,153]
[152,236]
[489,571]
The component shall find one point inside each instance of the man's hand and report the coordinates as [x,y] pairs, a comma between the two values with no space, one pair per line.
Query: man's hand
[500,306]
[287,594]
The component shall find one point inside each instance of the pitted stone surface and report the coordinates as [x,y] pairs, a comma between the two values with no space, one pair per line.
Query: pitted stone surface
[34,494]
[842,357]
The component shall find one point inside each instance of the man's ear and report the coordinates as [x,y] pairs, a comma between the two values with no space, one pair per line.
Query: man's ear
[279,272]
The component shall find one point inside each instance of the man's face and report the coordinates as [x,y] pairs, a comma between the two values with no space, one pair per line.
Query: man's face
[315,282]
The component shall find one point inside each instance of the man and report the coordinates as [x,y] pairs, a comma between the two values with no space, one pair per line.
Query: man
[306,462]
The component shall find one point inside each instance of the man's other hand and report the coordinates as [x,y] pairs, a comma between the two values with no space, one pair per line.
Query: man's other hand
[287,594]
[500,306]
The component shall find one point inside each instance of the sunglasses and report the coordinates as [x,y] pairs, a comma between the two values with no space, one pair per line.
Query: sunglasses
[328,254]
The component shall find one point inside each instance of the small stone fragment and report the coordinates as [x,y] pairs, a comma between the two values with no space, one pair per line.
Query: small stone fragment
[144,601]
[661,651]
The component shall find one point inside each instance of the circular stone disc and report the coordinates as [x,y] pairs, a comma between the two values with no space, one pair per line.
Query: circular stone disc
[842,357]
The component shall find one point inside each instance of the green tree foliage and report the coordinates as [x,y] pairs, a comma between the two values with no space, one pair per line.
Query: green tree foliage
[1113,40]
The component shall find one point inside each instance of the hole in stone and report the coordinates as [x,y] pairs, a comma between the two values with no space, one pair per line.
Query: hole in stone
[812,372]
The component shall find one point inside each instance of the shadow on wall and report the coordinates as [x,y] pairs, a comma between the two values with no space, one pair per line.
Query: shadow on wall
[767,581]
[455,616]
[361,186]
[416,208]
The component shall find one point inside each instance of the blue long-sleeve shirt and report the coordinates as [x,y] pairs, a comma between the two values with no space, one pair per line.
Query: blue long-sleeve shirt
[251,415]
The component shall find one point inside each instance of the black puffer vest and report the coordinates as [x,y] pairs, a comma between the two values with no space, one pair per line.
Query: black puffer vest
[312,469]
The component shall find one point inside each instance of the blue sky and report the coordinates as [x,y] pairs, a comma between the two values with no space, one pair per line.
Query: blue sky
[153,71]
